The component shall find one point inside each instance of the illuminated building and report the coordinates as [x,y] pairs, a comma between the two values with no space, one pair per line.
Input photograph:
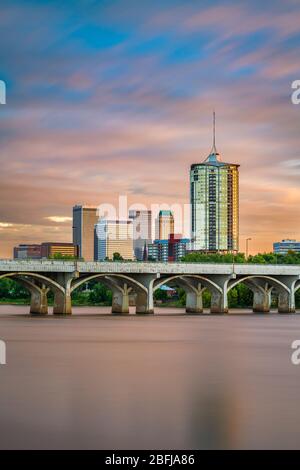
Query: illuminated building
[214,192]
[49,249]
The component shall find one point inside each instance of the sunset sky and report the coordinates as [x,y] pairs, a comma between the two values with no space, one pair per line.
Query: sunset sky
[116,97]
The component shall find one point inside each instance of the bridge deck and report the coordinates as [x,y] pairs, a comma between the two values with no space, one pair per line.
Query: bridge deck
[145,268]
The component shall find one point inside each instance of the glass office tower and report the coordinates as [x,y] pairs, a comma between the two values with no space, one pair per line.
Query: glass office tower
[214,187]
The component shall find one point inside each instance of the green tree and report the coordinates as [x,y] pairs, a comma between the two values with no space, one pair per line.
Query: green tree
[160,294]
[117,257]
[61,257]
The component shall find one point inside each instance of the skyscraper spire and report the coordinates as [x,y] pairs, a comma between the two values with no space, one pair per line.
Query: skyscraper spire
[214,132]
[214,155]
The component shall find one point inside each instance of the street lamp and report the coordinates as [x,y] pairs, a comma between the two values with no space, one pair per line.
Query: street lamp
[247,240]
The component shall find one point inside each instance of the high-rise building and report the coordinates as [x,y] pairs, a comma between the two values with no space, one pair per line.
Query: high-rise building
[113,236]
[214,191]
[84,220]
[142,230]
[164,225]
[283,247]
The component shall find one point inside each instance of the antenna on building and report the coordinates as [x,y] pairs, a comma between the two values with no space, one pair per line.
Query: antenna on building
[214,131]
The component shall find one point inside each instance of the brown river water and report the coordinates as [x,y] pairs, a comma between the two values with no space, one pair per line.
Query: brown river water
[166,381]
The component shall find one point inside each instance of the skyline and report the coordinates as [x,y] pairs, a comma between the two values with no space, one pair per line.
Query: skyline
[103,101]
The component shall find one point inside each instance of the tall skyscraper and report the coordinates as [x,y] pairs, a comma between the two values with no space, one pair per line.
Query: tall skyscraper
[164,225]
[142,230]
[84,220]
[113,236]
[214,190]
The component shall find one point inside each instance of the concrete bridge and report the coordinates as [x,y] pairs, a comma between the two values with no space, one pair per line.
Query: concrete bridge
[140,280]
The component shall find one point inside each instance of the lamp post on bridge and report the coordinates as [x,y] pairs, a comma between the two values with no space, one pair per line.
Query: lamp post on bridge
[247,241]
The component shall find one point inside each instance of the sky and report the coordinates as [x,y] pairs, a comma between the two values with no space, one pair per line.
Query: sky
[115,97]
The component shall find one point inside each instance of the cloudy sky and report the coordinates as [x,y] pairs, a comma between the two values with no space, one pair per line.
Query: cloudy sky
[115,97]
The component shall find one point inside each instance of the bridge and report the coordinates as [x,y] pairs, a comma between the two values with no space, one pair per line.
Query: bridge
[139,281]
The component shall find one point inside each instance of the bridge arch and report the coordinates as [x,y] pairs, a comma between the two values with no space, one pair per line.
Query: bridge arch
[262,287]
[297,286]
[194,285]
[43,279]
[105,277]
[274,282]
[39,300]
[122,286]
[206,282]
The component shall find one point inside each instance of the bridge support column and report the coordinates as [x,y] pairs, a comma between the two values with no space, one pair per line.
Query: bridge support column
[120,300]
[194,304]
[144,303]
[144,298]
[62,297]
[286,302]
[62,303]
[39,301]
[218,302]
[261,301]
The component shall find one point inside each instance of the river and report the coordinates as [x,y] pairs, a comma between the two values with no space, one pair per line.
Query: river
[166,381]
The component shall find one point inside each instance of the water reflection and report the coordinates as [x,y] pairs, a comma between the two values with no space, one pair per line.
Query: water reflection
[155,382]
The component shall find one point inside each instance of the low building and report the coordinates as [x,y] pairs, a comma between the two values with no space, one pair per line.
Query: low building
[45,250]
[52,249]
[170,250]
[152,252]
[283,247]
[24,251]
[177,247]
[113,236]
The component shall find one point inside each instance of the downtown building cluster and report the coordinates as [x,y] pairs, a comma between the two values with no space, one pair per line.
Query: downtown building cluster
[214,203]
[103,238]
[214,198]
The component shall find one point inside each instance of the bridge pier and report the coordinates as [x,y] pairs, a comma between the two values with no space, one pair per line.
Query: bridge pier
[120,302]
[286,297]
[286,302]
[218,302]
[261,301]
[62,303]
[193,292]
[194,304]
[261,295]
[62,294]
[144,303]
[144,294]
[39,301]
